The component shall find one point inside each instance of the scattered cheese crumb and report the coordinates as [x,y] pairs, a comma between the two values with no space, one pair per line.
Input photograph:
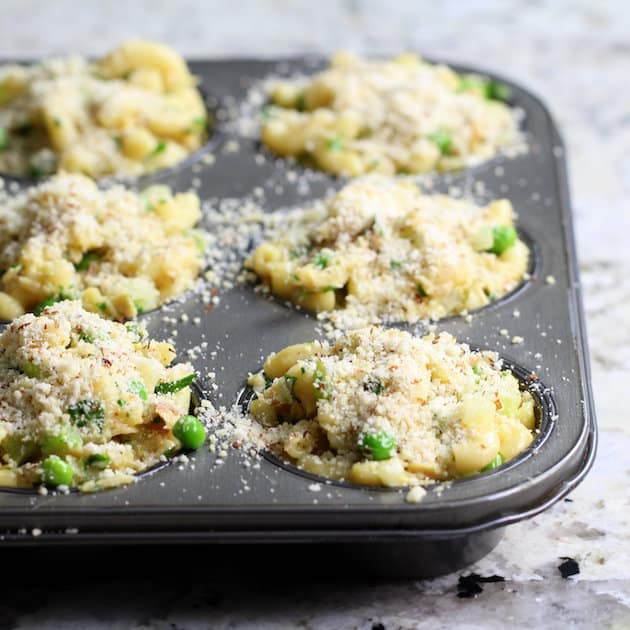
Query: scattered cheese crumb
[415,495]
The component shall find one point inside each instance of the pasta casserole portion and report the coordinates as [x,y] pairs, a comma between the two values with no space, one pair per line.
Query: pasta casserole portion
[87,402]
[119,252]
[381,250]
[385,408]
[134,111]
[402,115]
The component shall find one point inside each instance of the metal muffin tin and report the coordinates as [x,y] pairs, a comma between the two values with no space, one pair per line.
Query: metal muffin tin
[246,500]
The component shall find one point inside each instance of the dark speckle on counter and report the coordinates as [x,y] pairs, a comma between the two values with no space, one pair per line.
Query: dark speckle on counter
[470,585]
[569,567]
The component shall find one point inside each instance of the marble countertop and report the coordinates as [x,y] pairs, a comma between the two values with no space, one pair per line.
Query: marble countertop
[576,56]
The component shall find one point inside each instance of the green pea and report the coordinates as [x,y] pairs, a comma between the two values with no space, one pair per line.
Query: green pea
[61,443]
[378,446]
[503,237]
[57,472]
[190,432]
[496,91]
[495,463]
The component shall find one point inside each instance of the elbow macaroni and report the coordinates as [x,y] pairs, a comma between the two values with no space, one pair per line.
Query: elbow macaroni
[120,253]
[398,116]
[132,112]
[82,388]
[380,250]
[447,411]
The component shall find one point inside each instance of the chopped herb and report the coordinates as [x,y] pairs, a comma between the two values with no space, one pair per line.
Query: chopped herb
[174,386]
[86,336]
[300,102]
[202,121]
[290,381]
[330,287]
[100,461]
[268,381]
[475,369]
[117,140]
[319,381]
[421,291]
[322,261]
[87,260]
[102,306]
[35,171]
[137,387]
[4,139]
[373,385]
[121,403]
[491,296]
[139,306]
[335,144]
[57,122]
[495,463]
[87,411]
[49,301]
[442,138]
[135,331]
[395,265]
[160,147]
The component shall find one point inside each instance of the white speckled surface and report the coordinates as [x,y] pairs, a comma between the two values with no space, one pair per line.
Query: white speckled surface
[576,55]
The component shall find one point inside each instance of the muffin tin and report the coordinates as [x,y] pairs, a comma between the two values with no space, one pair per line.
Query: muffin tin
[236,498]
